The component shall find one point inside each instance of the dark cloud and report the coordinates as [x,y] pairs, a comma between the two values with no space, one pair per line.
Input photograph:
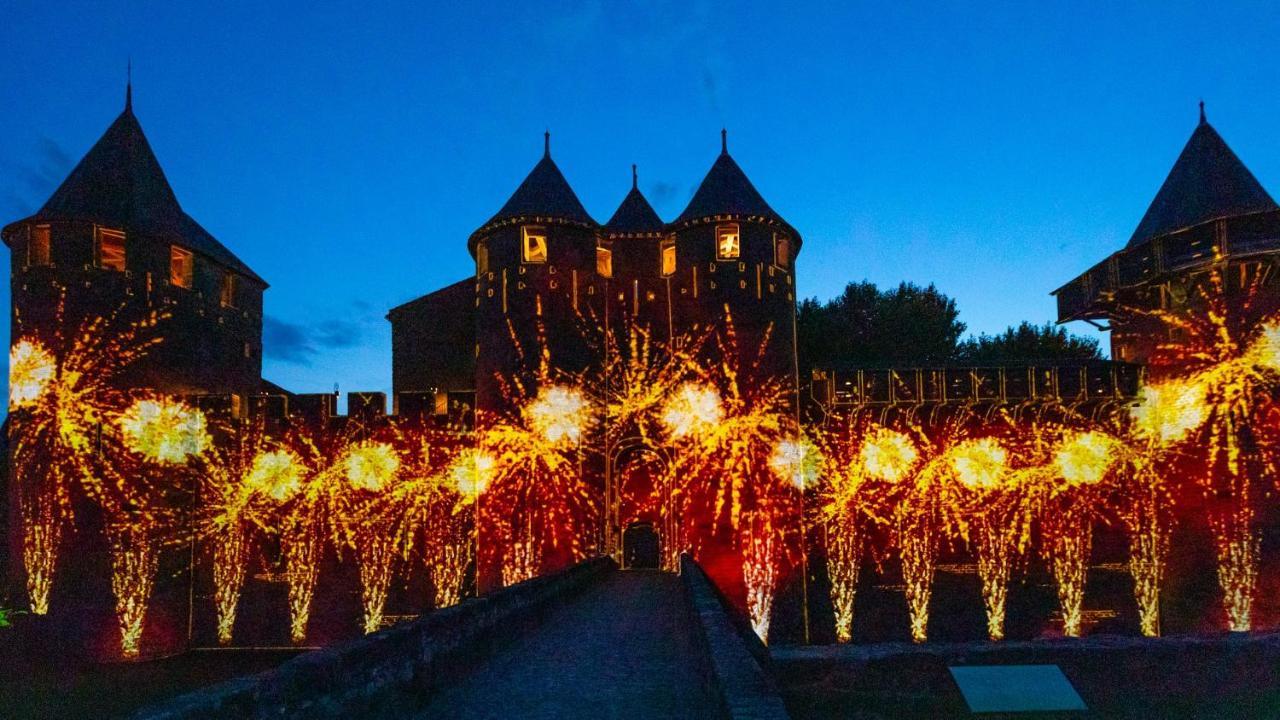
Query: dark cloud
[662,191]
[286,341]
[709,88]
[299,343]
[33,181]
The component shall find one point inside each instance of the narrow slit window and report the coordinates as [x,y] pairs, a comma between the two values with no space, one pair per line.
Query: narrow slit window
[109,251]
[482,258]
[38,246]
[181,267]
[534,245]
[230,286]
[604,261]
[668,257]
[728,242]
[781,250]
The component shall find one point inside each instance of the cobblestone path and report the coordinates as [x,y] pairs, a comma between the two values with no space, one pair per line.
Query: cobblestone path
[621,649]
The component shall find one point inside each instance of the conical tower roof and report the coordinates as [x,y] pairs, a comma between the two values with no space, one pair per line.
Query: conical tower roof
[726,190]
[1207,182]
[119,183]
[544,193]
[635,216]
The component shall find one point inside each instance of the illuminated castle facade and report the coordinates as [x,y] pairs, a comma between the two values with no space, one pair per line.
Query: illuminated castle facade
[551,279]
[113,242]
[547,272]
[113,238]
[1210,214]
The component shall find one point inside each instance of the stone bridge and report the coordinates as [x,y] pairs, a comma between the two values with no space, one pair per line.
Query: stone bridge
[591,641]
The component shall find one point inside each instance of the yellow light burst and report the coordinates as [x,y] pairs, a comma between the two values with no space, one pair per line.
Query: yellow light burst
[164,430]
[1167,412]
[31,370]
[276,474]
[1085,458]
[979,464]
[371,466]
[888,455]
[694,409]
[560,414]
[798,462]
[471,474]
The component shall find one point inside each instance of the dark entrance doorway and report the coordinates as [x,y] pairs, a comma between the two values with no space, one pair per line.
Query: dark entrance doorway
[641,547]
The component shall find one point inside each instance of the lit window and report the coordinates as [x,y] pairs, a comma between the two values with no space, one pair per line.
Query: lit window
[604,261]
[534,247]
[230,284]
[110,249]
[728,245]
[181,267]
[781,250]
[38,246]
[668,257]
[482,258]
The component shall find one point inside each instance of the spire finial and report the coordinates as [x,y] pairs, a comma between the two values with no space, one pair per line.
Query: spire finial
[128,85]
[724,141]
[635,177]
[546,144]
[1202,118]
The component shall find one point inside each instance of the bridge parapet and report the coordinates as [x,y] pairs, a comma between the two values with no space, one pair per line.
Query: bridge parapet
[383,674]
[738,660]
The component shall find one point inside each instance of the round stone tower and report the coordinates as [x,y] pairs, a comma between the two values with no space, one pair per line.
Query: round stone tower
[538,294]
[733,257]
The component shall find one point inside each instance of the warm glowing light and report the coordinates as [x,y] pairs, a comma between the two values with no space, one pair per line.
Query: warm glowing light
[1085,458]
[1168,411]
[471,474]
[694,409]
[979,464]
[798,462]
[164,430]
[276,474]
[888,454]
[560,414]
[371,466]
[31,370]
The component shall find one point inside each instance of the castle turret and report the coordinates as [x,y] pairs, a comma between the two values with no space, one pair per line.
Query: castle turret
[1210,213]
[639,294]
[536,282]
[113,237]
[733,252]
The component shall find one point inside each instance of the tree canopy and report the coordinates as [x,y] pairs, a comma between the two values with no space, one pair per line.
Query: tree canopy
[1027,343]
[868,326]
[911,325]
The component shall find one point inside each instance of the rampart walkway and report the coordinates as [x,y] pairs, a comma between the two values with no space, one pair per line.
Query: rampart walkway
[623,648]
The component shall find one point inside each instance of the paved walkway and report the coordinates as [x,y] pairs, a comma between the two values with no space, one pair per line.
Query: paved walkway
[621,649]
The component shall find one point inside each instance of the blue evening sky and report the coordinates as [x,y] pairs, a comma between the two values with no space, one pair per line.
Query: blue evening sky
[346,151]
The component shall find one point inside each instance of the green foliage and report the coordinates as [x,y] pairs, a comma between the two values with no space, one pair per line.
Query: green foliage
[1027,343]
[868,326]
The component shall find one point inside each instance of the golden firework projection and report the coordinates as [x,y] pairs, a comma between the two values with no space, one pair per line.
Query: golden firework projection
[62,389]
[1071,497]
[321,509]
[536,500]
[1225,372]
[243,479]
[168,433]
[32,369]
[371,469]
[860,461]
[471,473]
[995,506]
[694,410]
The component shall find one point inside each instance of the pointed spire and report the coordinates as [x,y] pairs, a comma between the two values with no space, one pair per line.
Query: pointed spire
[635,215]
[546,144]
[128,86]
[635,177]
[724,141]
[1208,181]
